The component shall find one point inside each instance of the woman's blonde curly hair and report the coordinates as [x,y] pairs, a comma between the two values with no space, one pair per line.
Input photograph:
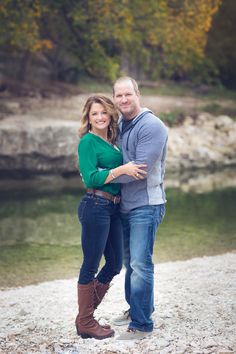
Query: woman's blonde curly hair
[111,110]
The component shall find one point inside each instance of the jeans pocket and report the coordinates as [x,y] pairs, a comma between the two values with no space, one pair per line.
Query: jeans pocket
[162,212]
[81,209]
[101,201]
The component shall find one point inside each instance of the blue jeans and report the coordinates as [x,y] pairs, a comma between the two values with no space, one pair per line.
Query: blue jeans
[101,235]
[139,229]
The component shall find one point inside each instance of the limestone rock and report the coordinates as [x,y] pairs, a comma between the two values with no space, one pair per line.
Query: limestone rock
[38,146]
[29,145]
[207,141]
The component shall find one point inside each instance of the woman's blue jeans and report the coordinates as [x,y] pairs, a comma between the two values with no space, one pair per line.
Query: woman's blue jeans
[101,235]
[139,229]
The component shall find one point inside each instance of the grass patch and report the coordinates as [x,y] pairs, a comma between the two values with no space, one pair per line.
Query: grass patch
[186,89]
[217,109]
[173,117]
[177,116]
[166,88]
[89,85]
[162,88]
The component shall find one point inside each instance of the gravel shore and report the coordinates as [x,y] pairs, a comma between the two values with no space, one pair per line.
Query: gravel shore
[194,313]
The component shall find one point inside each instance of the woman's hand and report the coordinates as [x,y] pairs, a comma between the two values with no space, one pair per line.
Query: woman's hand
[134,170]
[131,169]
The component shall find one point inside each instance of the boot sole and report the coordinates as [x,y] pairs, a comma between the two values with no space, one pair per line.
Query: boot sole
[86,336]
[105,327]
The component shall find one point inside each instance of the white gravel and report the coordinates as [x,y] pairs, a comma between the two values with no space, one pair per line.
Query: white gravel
[195,313]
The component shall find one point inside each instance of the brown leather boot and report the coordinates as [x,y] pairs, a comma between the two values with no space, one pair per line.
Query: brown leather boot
[100,291]
[86,325]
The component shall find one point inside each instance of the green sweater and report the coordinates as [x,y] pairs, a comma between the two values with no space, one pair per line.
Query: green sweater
[96,158]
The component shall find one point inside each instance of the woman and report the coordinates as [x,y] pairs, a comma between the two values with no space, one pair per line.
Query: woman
[100,161]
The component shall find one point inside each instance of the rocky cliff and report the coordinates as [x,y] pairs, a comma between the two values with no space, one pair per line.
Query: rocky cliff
[48,146]
[205,141]
[29,146]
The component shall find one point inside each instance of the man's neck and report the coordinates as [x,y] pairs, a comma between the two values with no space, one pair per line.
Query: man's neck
[133,116]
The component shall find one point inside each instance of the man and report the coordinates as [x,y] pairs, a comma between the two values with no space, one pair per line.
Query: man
[143,138]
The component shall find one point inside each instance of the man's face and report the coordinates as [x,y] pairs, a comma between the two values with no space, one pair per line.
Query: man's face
[126,99]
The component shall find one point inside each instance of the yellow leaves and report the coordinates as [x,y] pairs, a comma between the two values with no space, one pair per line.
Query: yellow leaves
[41,44]
[24,26]
[172,33]
[186,31]
[47,44]
[21,26]
[37,9]
[152,38]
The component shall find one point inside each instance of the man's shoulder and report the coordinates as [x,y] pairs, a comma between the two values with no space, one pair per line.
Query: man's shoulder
[152,121]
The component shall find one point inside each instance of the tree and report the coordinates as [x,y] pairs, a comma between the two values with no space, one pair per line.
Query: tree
[20,25]
[221,48]
[20,30]
[103,38]
[171,35]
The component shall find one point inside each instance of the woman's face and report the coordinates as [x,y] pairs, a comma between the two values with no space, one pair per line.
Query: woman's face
[99,118]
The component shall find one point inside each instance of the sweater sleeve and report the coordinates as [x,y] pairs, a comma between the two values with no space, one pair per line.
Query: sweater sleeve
[152,139]
[92,176]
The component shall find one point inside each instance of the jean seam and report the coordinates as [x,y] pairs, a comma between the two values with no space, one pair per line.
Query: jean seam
[109,210]
[153,215]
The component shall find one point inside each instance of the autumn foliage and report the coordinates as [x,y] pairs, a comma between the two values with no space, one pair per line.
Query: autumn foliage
[104,38]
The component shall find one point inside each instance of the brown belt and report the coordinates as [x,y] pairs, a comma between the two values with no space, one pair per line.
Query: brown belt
[113,198]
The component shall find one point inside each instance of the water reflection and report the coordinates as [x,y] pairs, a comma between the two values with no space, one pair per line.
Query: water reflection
[40,233]
[202,181]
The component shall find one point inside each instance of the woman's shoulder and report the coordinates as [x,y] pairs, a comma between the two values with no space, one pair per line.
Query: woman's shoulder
[86,139]
[87,136]
[86,142]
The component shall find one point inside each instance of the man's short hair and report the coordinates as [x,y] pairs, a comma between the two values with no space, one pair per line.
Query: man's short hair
[125,78]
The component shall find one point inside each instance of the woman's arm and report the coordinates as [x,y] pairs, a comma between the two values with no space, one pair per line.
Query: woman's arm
[92,176]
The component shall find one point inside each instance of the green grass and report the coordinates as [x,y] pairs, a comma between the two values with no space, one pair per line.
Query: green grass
[217,109]
[177,116]
[172,88]
[167,88]
[89,85]
[173,117]
[163,88]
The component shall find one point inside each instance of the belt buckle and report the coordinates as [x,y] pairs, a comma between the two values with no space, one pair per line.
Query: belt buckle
[116,199]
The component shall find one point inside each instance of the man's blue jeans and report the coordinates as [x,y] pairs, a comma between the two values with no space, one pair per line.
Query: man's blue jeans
[139,229]
[101,236]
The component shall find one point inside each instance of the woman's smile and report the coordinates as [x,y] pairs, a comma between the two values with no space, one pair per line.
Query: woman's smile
[98,118]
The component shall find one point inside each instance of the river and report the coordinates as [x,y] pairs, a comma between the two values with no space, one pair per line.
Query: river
[40,232]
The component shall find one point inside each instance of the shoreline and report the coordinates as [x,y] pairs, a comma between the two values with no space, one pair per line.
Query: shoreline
[34,147]
[205,179]
[194,313]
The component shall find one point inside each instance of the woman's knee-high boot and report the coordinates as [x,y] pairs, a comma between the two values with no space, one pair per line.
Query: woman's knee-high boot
[100,291]
[86,325]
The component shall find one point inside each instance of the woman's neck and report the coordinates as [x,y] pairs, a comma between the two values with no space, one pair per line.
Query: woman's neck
[101,134]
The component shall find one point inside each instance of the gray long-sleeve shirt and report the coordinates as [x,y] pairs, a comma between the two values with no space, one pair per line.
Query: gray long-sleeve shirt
[144,142]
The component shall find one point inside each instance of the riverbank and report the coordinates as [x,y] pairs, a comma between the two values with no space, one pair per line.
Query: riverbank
[33,147]
[194,303]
